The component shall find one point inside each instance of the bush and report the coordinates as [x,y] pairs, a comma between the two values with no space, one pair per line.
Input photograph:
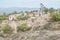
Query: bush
[22,17]
[51,10]
[55,16]
[0,28]
[6,28]
[3,17]
[46,10]
[22,27]
[18,17]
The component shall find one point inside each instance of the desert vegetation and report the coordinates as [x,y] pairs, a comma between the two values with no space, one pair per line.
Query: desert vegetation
[3,17]
[55,16]
[23,27]
[22,17]
[6,28]
[30,24]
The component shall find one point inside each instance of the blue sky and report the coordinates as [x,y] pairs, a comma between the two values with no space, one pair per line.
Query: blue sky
[29,3]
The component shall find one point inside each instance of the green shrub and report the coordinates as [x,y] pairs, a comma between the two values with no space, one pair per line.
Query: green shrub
[6,28]
[46,10]
[3,17]
[22,27]
[55,16]
[18,17]
[0,28]
[51,10]
[22,17]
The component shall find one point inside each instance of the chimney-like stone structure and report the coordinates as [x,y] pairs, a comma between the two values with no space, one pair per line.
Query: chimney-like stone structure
[41,9]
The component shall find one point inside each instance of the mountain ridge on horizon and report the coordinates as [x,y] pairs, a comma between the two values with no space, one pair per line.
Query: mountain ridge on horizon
[8,10]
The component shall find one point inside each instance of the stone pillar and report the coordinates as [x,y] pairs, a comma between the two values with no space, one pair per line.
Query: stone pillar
[13,26]
[15,29]
[41,9]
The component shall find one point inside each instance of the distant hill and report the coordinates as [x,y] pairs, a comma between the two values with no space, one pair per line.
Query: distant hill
[8,10]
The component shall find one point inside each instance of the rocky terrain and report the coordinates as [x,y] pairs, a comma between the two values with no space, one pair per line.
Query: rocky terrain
[44,30]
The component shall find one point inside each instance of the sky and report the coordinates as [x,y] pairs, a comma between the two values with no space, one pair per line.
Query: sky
[29,3]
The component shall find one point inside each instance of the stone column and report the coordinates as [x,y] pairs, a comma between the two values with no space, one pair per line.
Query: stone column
[13,26]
